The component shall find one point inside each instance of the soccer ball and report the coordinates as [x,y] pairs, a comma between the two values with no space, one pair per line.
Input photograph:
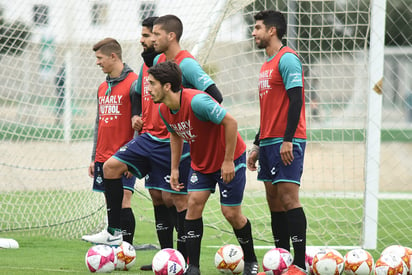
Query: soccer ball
[328,262]
[309,255]
[168,261]
[229,259]
[390,264]
[276,260]
[101,258]
[126,256]
[405,253]
[358,262]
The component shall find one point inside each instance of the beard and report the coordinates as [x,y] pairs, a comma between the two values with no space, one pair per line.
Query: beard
[262,44]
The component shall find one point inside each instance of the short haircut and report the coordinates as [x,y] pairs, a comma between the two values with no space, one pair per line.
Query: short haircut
[167,72]
[275,19]
[148,22]
[170,23]
[108,46]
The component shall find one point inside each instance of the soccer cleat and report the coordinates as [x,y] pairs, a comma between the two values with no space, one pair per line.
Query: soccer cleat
[251,268]
[147,267]
[105,237]
[294,270]
[192,270]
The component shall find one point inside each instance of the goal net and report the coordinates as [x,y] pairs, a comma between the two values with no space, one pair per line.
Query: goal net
[49,80]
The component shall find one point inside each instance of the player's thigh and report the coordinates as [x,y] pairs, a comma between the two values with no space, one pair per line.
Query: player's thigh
[156,196]
[288,193]
[234,216]
[196,203]
[272,197]
[180,201]
[113,168]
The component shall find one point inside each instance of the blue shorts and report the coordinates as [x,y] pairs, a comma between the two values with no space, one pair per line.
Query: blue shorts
[271,167]
[98,179]
[148,157]
[231,194]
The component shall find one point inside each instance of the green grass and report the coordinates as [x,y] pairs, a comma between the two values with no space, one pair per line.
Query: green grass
[330,222]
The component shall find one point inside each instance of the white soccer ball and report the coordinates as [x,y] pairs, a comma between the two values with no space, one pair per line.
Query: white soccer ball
[229,259]
[358,262]
[276,260]
[101,258]
[309,255]
[168,261]
[405,253]
[390,264]
[126,256]
[328,262]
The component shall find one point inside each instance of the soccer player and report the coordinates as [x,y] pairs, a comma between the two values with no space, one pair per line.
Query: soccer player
[167,31]
[280,144]
[113,129]
[169,206]
[218,156]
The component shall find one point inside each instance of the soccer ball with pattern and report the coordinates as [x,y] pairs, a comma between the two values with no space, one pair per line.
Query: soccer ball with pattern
[168,261]
[390,264]
[358,262]
[276,260]
[126,256]
[309,255]
[229,259]
[405,253]
[101,258]
[328,262]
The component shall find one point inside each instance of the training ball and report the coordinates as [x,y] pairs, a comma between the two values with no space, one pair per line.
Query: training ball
[390,264]
[276,260]
[229,259]
[101,258]
[328,262]
[405,253]
[168,261]
[126,256]
[309,255]
[358,262]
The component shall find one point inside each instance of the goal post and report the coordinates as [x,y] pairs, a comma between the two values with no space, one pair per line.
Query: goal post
[355,191]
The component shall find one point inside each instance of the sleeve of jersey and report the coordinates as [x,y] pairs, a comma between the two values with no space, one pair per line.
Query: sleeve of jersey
[290,68]
[206,109]
[138,86]
[170,129]
[194,76]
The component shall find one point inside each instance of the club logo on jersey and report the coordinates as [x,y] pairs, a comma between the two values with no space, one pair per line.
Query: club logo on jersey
[184,130]
[194,179]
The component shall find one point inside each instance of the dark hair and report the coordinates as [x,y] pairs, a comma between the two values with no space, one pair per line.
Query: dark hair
[275,19]
[148,22]
[108,46]
[167,72]
[170,23]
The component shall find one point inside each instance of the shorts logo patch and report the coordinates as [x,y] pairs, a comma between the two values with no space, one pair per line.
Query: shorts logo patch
[224,193]
[123,148]
[194,179]
[273,171]
[167,178]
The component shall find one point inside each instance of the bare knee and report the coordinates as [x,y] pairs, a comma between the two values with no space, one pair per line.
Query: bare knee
[114,169]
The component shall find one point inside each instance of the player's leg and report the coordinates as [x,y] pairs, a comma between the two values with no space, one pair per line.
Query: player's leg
[127,219]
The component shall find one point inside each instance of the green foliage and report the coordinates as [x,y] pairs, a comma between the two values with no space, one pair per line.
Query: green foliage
[14,37]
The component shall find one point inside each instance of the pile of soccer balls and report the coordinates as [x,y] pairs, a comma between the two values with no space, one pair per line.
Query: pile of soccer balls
[103,258]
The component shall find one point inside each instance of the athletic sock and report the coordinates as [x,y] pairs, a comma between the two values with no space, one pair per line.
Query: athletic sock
[164,228]
[114,197]
[172,216]
[128,224]
[297,228]
[280,230]
[181,240]
[245,239]
[194,234]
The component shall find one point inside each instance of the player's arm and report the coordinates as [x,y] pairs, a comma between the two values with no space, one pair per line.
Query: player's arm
[95,132]
[136,102]
[253,153]
[290,68]
[228,165]
[194,74]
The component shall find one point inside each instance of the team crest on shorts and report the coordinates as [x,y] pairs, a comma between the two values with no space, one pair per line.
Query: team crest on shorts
[123,148]
[194,179]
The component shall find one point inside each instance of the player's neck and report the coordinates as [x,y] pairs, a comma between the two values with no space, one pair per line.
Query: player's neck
[117,71]
[172,51]
[173,100]
[274,48]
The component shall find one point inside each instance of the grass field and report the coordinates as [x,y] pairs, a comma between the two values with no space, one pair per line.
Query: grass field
[40,254]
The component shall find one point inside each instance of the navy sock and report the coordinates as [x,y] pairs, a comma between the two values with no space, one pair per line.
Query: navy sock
[297,228]
[114,197]
[245,239]
[128,224]
[280,230]
[194,234]
[164,228]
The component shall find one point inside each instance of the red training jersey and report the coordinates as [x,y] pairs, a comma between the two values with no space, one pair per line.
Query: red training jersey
[115,111]
[274,101]
[206,139]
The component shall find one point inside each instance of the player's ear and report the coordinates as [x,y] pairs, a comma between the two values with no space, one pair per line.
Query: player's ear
[171,35]
[167,86]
